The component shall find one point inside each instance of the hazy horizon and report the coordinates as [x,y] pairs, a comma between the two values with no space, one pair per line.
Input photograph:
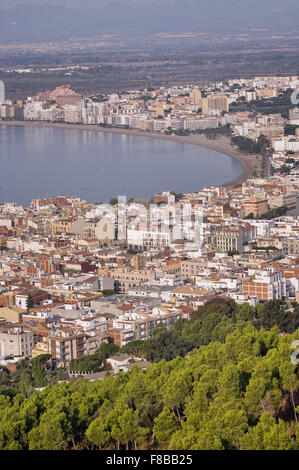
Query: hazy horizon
[44,19]
[8,4]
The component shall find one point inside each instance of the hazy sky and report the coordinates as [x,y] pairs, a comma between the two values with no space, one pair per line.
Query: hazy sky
[80,3]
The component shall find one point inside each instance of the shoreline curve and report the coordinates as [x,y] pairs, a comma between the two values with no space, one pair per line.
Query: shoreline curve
[221,144]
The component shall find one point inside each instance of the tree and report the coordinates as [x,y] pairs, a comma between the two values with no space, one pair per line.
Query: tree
[229,388]
[237,393]
[113,202]
[105,350]
[178,196]
[29,303]
[108,292]
[93,362]
[4,379]
[136,348]
[167,345]
[53,432]
[268,435]
[289,382]
[275,313]
[25,383]
[245,312]
[290,129]
[38,370]
[125,427]
[255,392]
[86,364]
[178,390]
[98,433]
[165,425]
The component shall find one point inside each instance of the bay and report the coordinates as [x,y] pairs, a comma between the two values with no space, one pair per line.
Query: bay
[98,166]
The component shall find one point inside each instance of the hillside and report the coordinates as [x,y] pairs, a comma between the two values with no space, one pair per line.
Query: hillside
[241,393]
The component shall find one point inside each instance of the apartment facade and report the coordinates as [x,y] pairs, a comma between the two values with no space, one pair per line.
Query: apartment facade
[15,342]
[290,246]
[257,207]
[126,278]
[192,268]
[148,239]
[62,226]
[268,285]
[227,239]
[67,345]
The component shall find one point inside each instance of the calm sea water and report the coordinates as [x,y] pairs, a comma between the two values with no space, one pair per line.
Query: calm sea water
[45,162]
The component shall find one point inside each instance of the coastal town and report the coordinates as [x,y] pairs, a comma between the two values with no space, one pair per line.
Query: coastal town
[149,229]
[76,274]
[180,109]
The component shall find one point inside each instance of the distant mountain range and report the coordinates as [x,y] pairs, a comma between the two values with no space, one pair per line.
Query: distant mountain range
[35,22]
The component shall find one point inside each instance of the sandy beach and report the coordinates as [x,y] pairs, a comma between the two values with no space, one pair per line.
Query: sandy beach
[250,163]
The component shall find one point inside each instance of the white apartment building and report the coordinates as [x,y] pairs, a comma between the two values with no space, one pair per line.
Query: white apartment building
[73,113]
[267,285]
[94,112]
[144,238]
[195,124]
[15,342]
[32,110]
[286,144]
